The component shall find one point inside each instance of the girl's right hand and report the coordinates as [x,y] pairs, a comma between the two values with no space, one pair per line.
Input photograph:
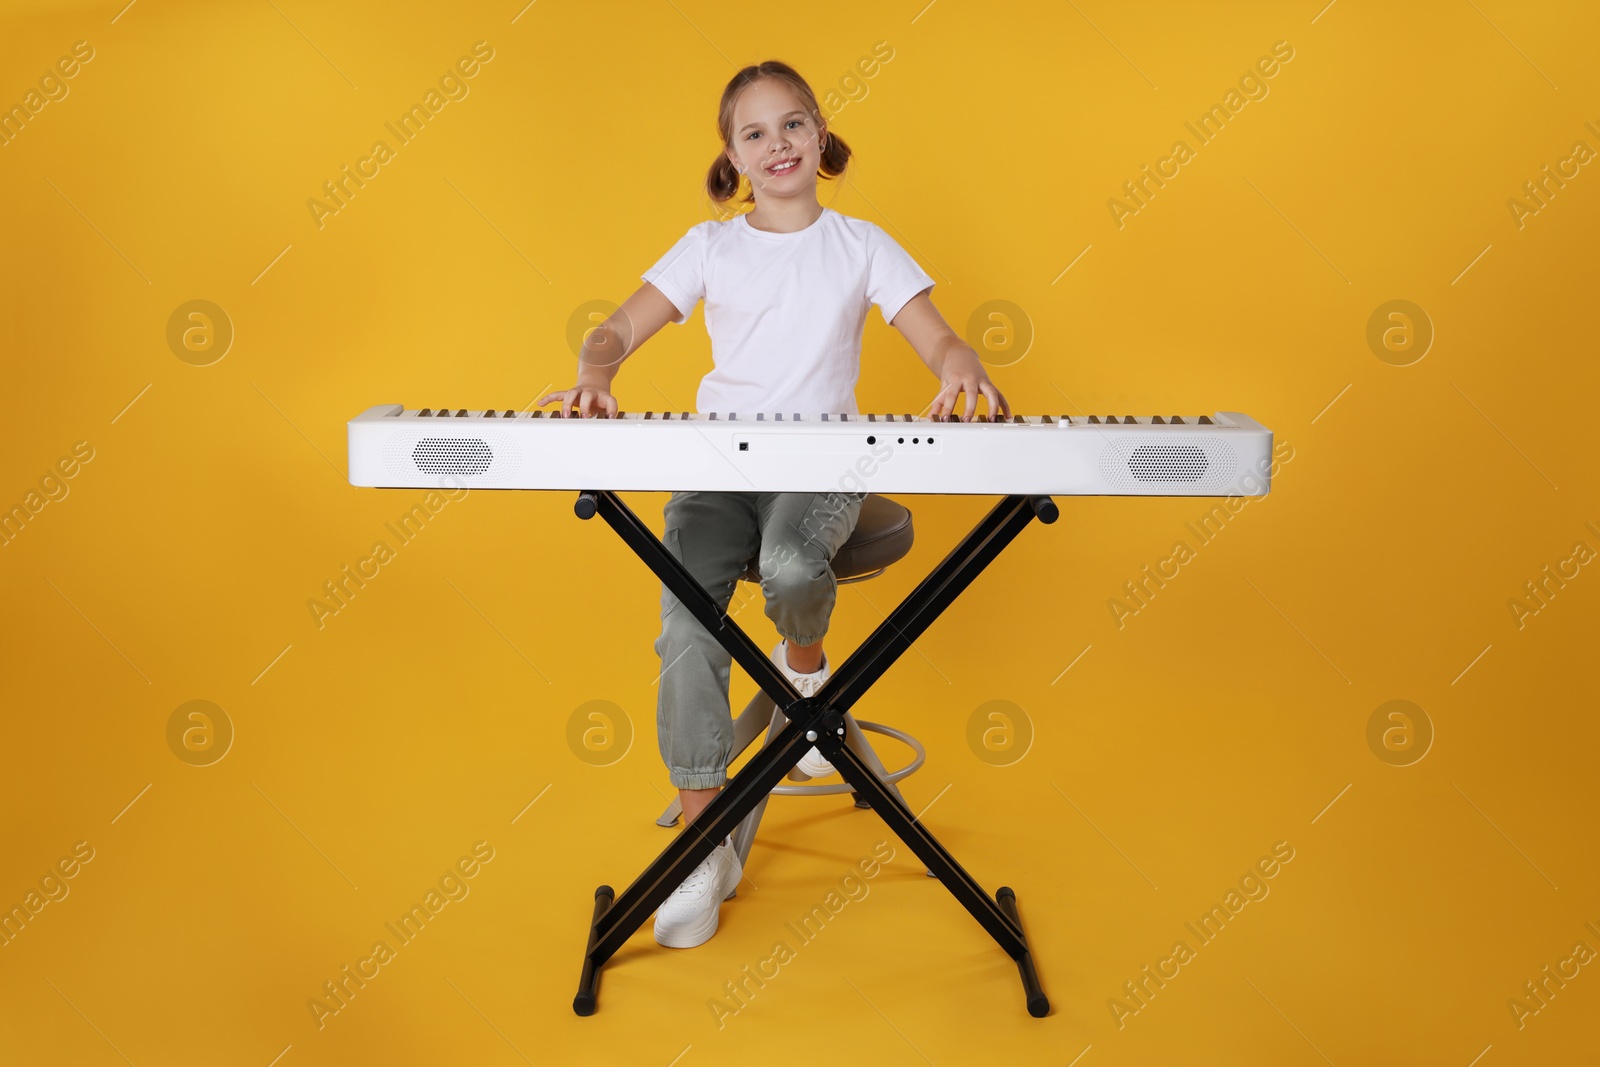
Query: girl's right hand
[588,399]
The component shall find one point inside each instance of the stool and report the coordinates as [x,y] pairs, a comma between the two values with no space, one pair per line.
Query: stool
[882,536]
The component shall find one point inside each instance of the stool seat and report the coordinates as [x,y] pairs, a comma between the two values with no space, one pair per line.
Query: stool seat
[882,536]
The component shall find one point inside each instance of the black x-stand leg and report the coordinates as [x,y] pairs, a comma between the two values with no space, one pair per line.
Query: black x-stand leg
[816,720]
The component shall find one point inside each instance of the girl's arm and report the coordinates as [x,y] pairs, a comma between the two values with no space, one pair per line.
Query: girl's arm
[950,359]
[607,345]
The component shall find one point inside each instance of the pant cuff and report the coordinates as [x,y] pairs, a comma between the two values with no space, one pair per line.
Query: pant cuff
[804,639]
[698,780]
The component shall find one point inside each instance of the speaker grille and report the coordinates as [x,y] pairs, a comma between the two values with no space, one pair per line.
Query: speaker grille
[478,457]
[1188,463]
[452,455]
[1167,463]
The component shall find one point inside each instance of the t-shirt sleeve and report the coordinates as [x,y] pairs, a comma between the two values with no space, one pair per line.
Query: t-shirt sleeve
[893,277]
[680,274]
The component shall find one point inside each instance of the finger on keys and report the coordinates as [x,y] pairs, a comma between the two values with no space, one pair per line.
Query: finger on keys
[997,402]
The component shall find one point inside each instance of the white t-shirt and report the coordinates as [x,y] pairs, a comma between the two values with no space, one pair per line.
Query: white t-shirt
[786,311]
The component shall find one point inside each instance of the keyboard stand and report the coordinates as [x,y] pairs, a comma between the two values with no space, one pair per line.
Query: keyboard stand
[815,720]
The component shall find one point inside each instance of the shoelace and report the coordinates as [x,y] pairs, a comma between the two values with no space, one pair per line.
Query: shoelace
[807,684]
[696,882]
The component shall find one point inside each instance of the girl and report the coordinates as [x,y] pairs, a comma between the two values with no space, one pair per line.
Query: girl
[786,285]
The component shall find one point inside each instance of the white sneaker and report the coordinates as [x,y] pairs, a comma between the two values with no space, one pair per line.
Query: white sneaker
[689,916]
[812,762]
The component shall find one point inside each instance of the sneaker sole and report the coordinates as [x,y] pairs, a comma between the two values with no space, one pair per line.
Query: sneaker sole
[814,768]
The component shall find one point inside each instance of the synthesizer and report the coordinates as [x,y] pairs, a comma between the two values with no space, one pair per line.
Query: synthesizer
[1223,454]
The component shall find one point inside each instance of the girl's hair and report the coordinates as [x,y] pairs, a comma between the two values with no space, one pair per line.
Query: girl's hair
[722,181]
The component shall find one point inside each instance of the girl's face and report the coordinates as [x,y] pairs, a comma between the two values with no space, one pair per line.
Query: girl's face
[771,128]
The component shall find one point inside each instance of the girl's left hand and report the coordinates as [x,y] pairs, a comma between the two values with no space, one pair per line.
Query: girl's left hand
[968,376]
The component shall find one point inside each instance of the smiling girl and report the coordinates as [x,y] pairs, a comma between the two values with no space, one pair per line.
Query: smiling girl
[787,286]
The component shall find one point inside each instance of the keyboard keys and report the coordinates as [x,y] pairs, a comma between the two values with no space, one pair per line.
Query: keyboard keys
[993,418]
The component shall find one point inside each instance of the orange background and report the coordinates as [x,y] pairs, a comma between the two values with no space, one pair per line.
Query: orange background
[1231,712]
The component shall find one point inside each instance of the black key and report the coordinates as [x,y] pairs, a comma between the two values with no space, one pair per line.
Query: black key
[714,415]
[1205,420]
[1177,420]
[425,413]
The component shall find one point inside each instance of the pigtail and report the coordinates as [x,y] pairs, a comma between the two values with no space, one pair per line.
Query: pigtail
[722,181]
[835,154]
